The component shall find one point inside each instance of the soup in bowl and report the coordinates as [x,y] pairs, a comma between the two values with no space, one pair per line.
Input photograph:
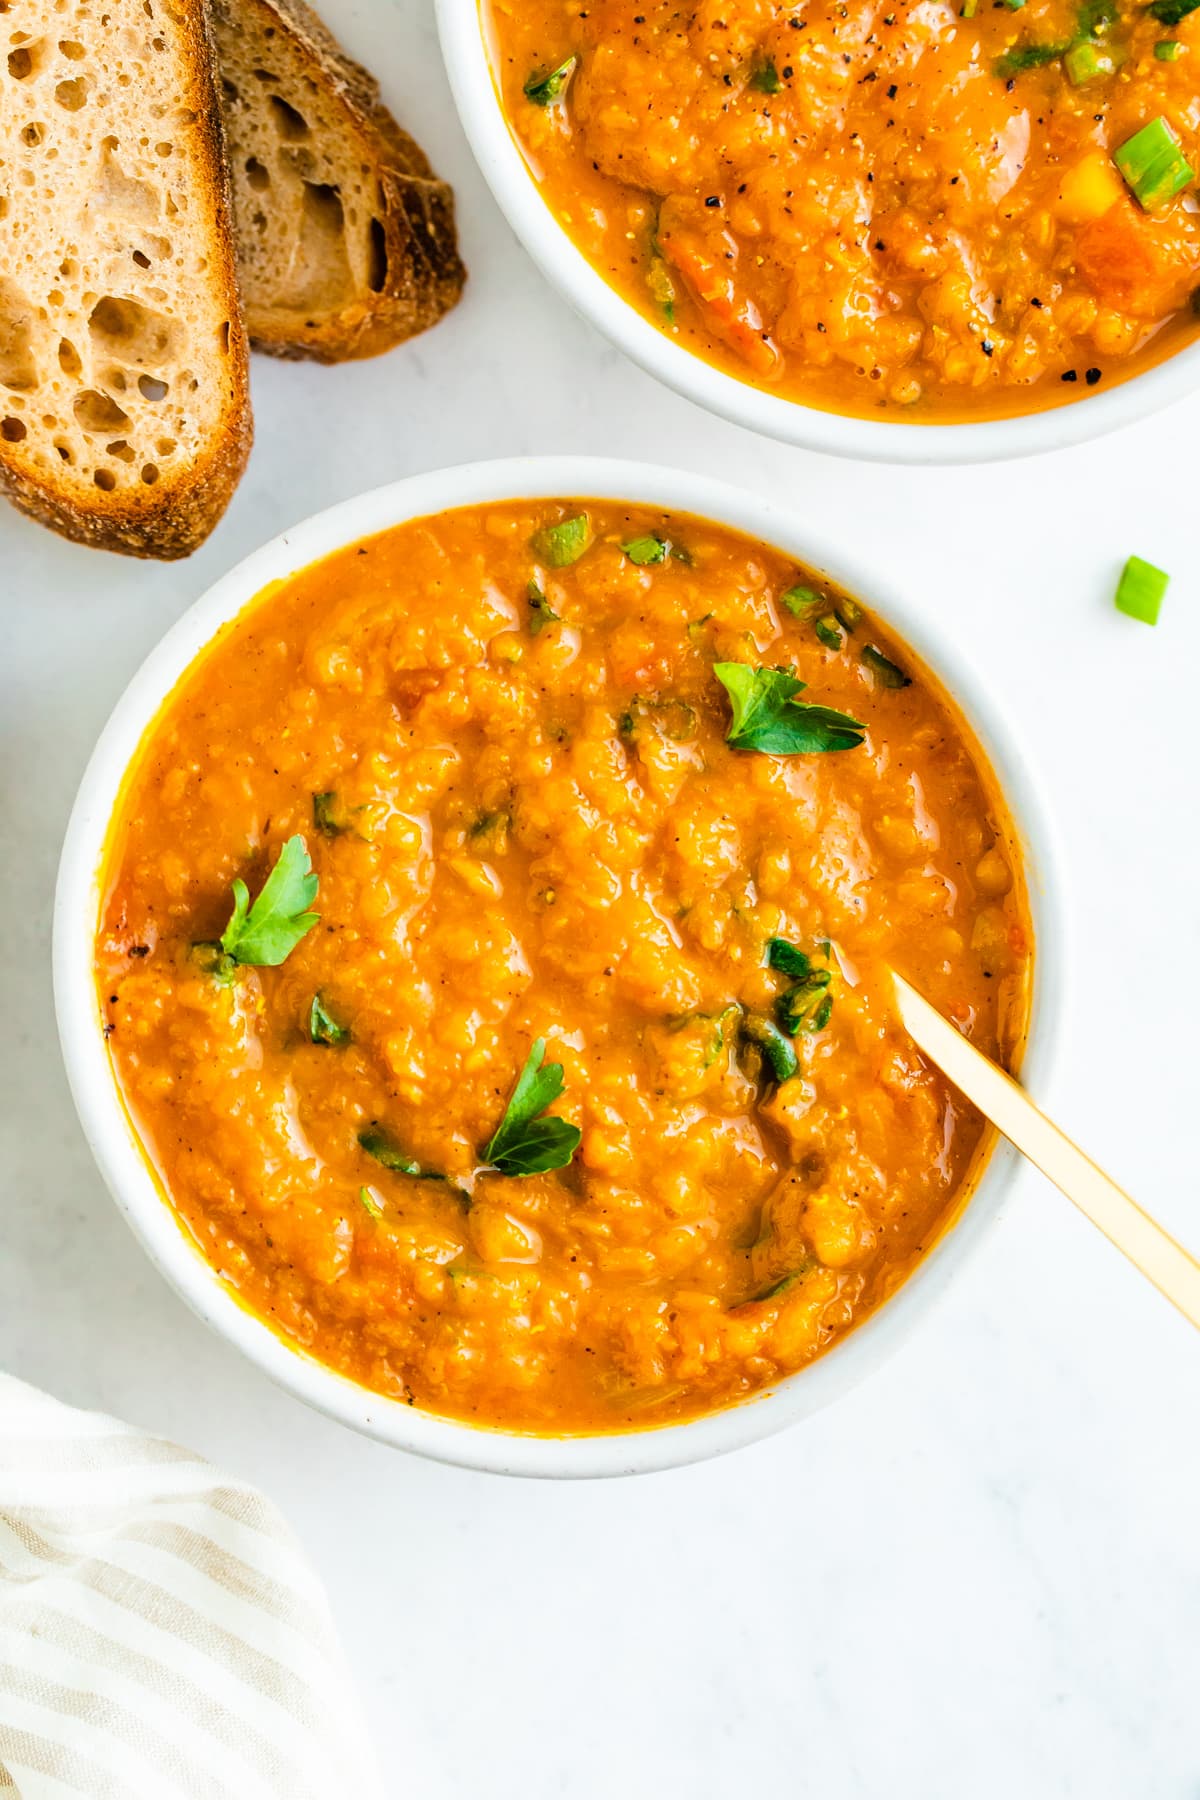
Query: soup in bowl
[488,926]
[923,215]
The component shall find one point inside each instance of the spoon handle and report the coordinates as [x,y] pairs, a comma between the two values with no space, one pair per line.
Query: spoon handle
[1172,1269]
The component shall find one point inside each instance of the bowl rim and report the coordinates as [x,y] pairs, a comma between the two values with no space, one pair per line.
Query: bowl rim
[109,1130]
[462,32]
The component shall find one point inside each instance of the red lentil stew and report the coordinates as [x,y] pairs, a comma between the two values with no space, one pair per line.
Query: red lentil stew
[902,208]
[564,1093]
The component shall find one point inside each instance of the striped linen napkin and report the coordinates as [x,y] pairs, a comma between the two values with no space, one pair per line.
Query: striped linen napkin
[161,1635]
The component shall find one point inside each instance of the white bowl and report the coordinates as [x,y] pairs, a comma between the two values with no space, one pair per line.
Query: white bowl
[499,156]
[79,899]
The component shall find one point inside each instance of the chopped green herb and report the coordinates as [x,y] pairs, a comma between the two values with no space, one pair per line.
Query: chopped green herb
[1169,50]
[1172,12]
[266,933]
[370,1202]
[828,633]
[674,719]
[1095,17]
[323,1028]
[709,1029]
[525,1142]
[541,612]
[385,1150]
[661,286]
[768,717]
[545,88]
[213,961]
[1027,56]
[800,600]
[565,542]
[789,959]
[968,9]
[776,1288]
[1154,165]
[681,554]
[800,1009]
[776,1052]
[325,808]
[1083,62]
[1014,5]
[1140,590]
[884,669]
[848,611]
[766,78]
[646,550]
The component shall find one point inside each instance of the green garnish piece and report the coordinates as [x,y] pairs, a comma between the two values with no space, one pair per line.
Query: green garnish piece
[1027,56]
[1095,17]
[525,1142]
[545,88]
[675,719]
[563,544]
[768,717]
[385,1150]
[827,632]
[1171,12]
[661,286]
[646,550]
[1153,165]
[800,600]
[884,669]
[968,9]
[807,1006]
[1014,5]
[1169,50]
[775,1289]
[369,1201]
[848,611]
[766,78]
[266,933]
[541,613]
[1140,590]
[323,1028]
[789,959]
[773,1046]
[681,554]
[213,961]
[324,809]
[1083,62]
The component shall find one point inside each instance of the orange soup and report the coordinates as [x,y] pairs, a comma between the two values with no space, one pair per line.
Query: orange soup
[901,208]
[565,1093]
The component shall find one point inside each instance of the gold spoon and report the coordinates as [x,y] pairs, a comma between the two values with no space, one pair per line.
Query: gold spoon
[1172,1269]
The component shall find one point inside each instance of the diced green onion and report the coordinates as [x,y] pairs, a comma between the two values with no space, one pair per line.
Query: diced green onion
[789,959]
[968,9]
[1168,50]
[1014,5]
[544,89]
[776,1051]
[1171,12]
[1154,165]
[1140,590]
[1083,62]
[799,600]
[827,631]
[564,543]
[884,669]
[848,611]
[645,550]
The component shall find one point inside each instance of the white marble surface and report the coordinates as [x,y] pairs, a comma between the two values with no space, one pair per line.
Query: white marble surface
[977,1577]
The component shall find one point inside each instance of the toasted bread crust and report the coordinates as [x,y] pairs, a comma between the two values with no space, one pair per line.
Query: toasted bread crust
[171,518]
[423,274]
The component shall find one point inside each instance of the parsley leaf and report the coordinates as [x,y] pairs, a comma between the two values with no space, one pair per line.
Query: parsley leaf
[323,1028]
[266,933]
[564,543]
[543,89]
[768,717]
[525,1143]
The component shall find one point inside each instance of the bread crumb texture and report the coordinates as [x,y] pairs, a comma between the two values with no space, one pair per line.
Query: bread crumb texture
[123,414]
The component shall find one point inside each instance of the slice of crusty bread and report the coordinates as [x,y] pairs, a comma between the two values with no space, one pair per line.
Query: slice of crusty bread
[346,240]
[124,418]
